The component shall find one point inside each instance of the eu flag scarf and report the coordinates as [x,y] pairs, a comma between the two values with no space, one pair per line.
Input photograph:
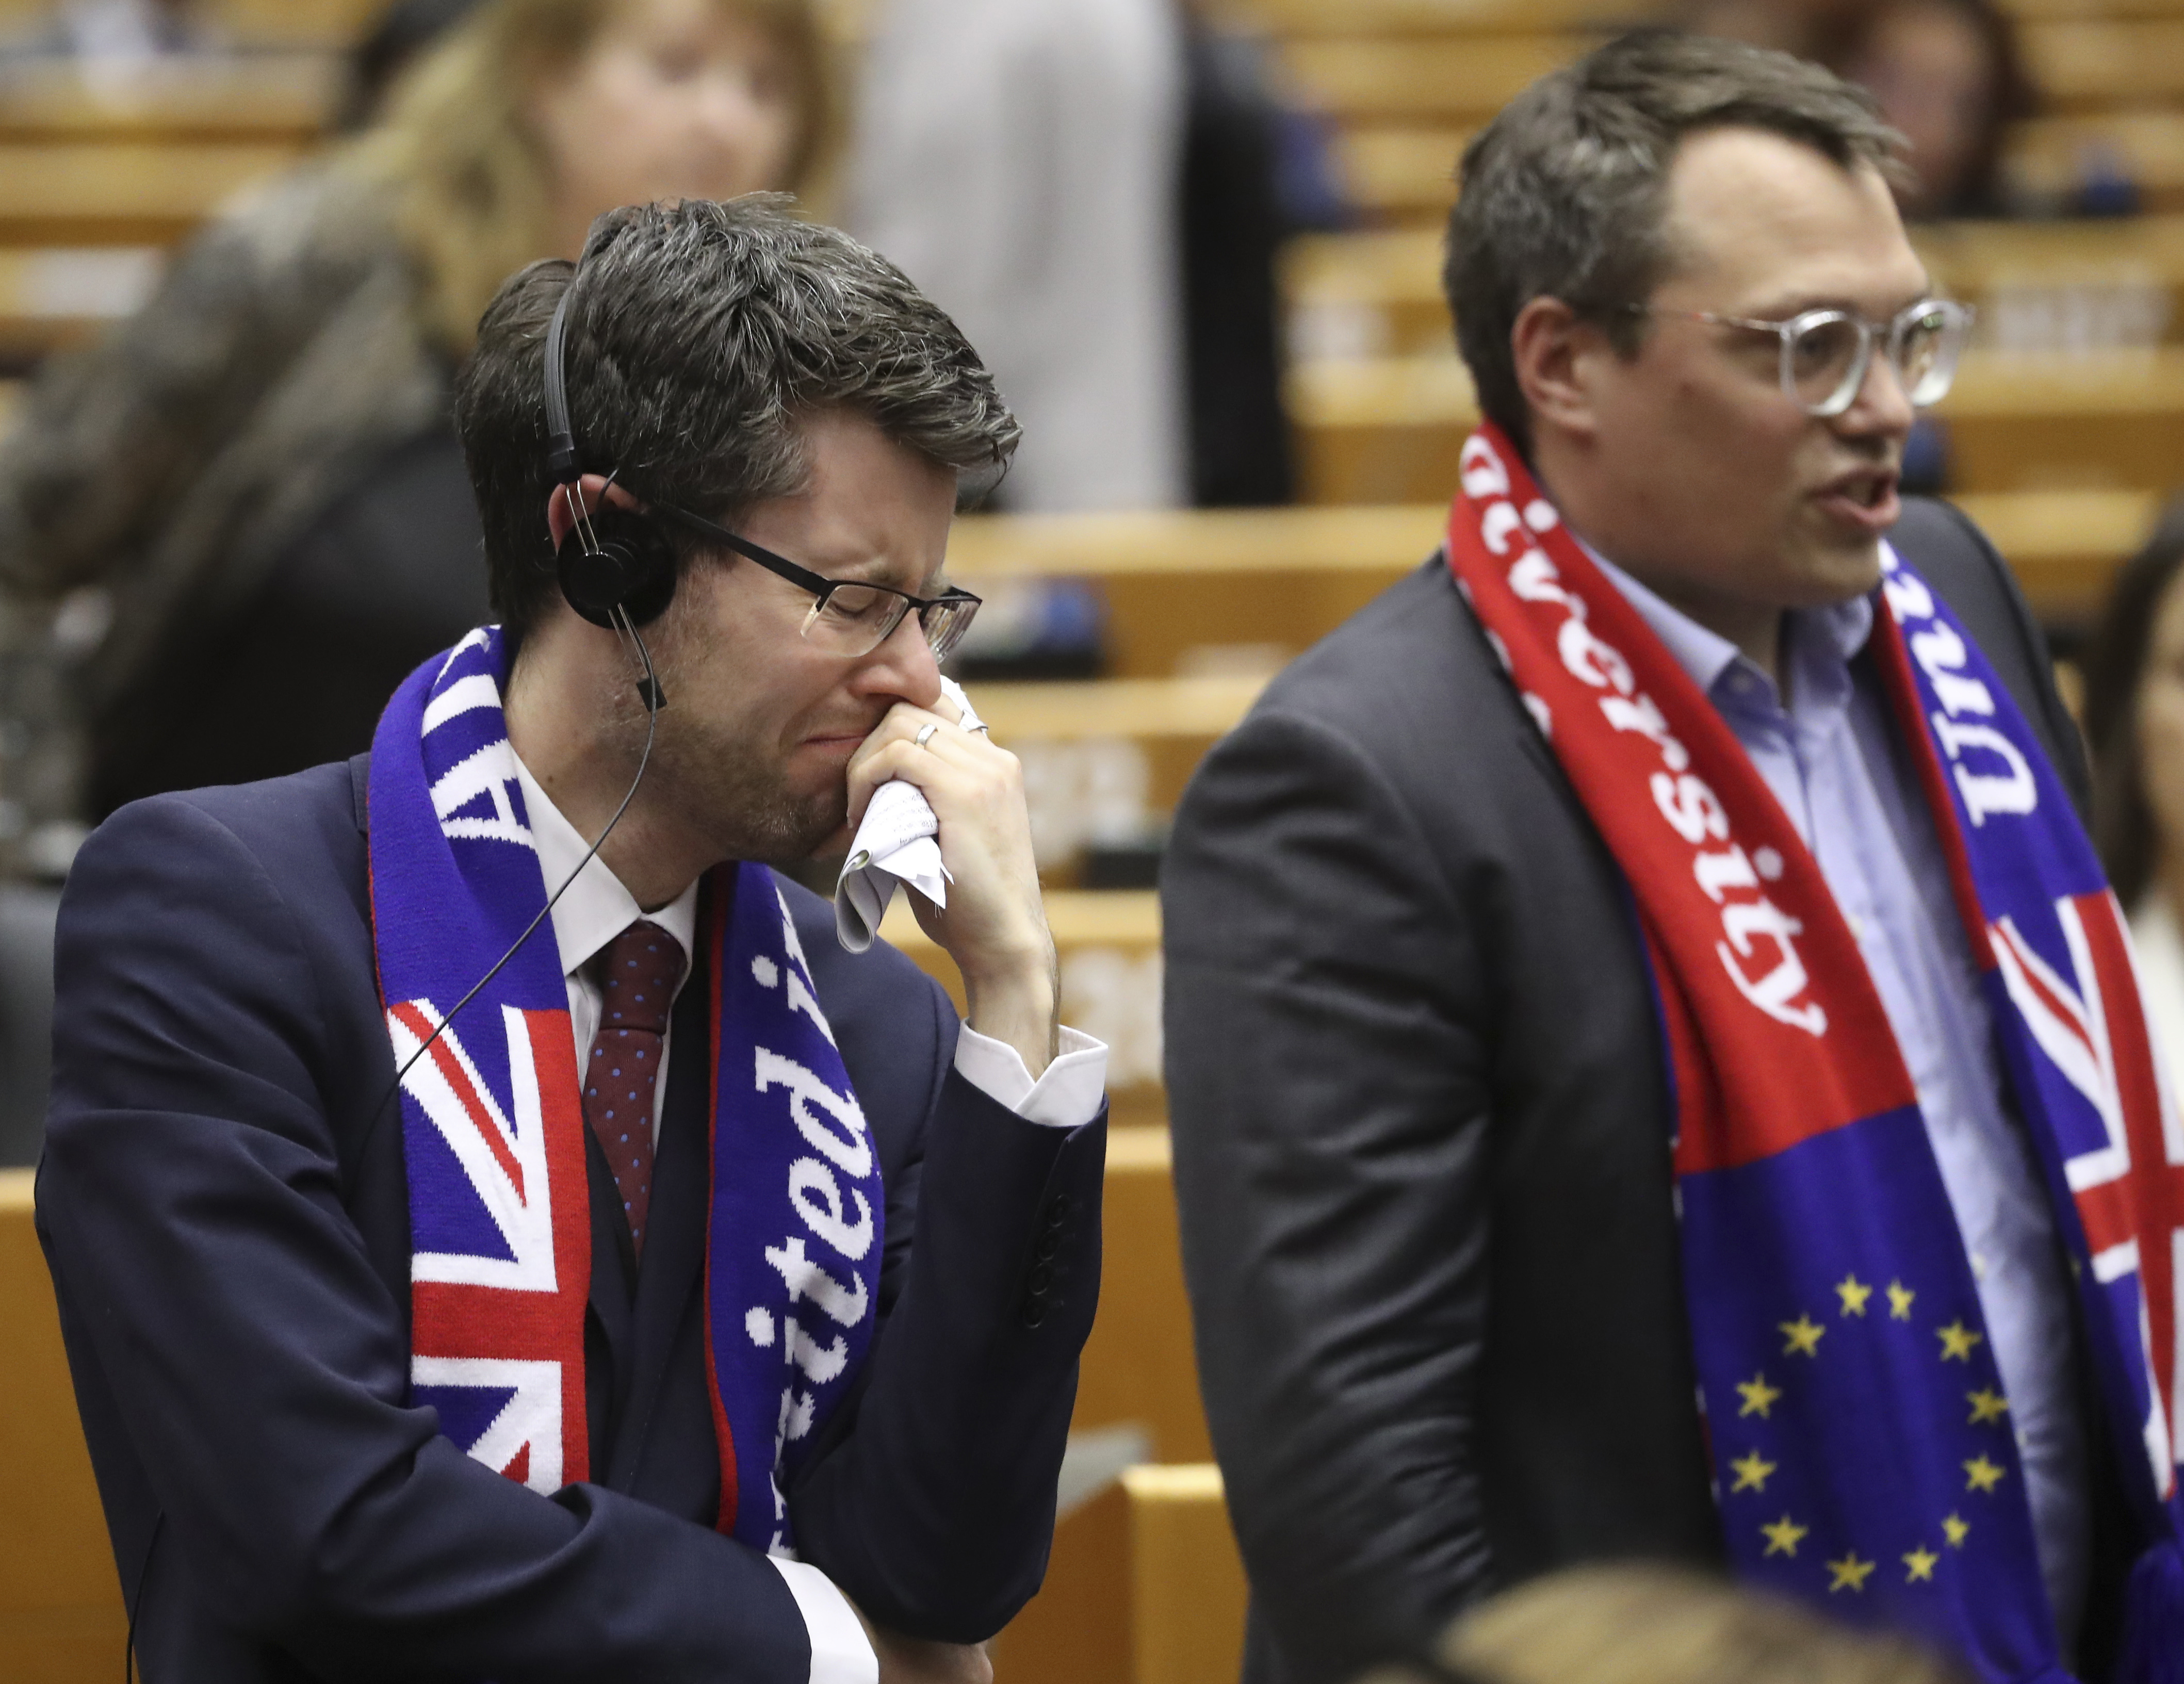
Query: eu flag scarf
[1860,1435]
[494,1133]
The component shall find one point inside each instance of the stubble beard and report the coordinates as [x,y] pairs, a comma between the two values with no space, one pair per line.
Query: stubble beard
[739,796]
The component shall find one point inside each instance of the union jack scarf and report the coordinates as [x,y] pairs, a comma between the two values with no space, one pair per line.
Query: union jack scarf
[493,1132]
[1856,1421]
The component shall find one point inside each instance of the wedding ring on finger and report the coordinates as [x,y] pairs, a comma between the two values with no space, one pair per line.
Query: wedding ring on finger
[925,734]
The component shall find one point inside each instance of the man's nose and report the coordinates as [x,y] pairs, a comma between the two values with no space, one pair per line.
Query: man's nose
[1882,405]
[904,665]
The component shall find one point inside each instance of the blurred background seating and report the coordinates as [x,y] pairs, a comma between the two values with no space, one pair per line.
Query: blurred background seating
[1261,190]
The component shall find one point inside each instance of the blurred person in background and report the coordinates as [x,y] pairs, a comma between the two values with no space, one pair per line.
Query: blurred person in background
[253,488]
[1949,78]
[1659,1625]
[2134,716]
[1019,158]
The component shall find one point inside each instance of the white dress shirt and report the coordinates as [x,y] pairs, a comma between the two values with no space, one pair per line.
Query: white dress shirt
[595,909]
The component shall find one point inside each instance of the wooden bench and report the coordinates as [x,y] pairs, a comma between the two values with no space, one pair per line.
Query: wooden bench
[52,298]
[1389,429]
[61,1618]
[1140,1368]
[128,193]
[1379,18]
[1403,173]
[1427,79]
[248,24]
[2040,285]
[284,100]
[1144,1586]
[2102,63]
[1178,583]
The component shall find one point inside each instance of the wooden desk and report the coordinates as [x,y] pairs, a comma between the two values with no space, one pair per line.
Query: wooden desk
[132,194]
[1401,171]
[1139,1366]
[61,1618]
[52,298]
[1389,429]
[1179,582]
[1427,79]
[1146,1587]
[283,100]
[2081,285]
[1306,18]
[2103,64]
[250,23]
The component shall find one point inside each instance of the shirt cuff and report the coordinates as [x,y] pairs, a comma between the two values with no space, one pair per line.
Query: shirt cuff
[1066,1094]
[841,1653]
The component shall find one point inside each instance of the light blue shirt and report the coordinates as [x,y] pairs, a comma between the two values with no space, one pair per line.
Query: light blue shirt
[1832,759]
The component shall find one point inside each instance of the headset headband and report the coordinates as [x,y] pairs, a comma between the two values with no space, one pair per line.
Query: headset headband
[560,441]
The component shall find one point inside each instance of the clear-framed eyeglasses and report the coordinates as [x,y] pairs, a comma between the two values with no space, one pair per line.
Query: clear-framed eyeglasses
[848,618]
[1825,353]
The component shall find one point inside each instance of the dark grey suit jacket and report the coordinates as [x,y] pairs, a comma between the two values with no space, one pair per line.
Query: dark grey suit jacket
[1421,1126]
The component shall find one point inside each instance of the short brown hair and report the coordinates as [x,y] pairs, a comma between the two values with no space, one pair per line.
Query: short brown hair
[1563,192]
[702,336]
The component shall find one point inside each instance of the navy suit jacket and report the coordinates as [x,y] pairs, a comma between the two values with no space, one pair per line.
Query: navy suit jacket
[224,1207]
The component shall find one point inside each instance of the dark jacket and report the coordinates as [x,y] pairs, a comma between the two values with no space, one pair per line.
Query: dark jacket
[1421,1124]
[224,1207]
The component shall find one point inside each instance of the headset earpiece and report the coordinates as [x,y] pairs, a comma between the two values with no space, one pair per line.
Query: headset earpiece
[613,559]
[617,559]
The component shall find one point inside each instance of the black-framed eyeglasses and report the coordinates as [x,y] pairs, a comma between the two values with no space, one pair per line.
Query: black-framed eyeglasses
[1825,353]
[849,617]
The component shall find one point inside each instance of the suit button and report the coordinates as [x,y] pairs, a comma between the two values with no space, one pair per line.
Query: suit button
[1042,1280]
[1035,1310]
[1048,1243]
[1057,1208]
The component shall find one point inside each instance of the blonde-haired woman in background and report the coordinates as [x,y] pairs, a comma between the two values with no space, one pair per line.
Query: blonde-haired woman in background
[230,529]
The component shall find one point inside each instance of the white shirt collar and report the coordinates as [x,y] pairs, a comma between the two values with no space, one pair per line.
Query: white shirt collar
[596,907]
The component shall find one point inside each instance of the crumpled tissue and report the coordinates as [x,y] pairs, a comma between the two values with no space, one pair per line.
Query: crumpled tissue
[896,844]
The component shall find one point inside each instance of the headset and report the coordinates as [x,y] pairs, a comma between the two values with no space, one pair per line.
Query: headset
[616,568]
[617,571]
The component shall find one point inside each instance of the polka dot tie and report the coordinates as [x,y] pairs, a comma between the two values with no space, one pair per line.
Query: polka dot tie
[636,974]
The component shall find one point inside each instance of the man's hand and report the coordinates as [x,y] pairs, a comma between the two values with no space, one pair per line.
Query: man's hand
[995,924]
[913,1660]
[918,1660]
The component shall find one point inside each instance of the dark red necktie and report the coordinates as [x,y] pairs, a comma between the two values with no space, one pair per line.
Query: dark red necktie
[636,973]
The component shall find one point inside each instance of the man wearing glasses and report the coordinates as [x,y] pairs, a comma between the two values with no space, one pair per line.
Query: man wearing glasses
[674,1294]
[1616,1109]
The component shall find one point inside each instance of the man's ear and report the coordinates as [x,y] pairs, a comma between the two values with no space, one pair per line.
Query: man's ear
[560,510]
[1555,351]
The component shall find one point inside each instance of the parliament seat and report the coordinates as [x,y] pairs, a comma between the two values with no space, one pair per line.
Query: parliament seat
[1144,1586]
[1378,19]
[2078,286]
[55,297]
[285,99]
[61,1618]
[251,24]
[126,192]
[1401,173]
[2100,64]
[1387,429]
[1429,80]
[1182,585]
